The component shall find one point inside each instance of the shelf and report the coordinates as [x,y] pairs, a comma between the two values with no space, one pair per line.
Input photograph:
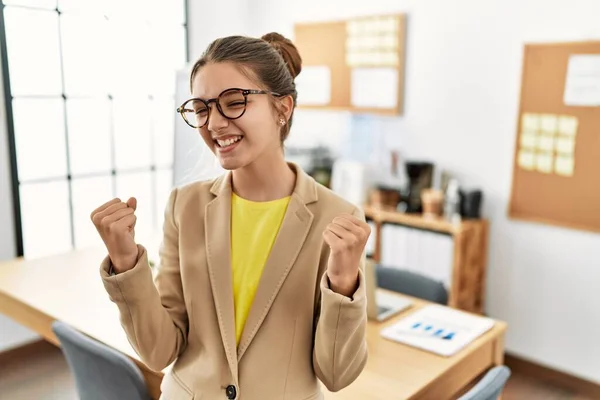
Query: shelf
[383,215]
[469,238]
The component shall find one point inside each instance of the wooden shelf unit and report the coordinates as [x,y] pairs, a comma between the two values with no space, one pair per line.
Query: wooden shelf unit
[470,238]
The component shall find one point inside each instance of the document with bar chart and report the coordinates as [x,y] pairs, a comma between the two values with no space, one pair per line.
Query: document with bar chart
[438,329]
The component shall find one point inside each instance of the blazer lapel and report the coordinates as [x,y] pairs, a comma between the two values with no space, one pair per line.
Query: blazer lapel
[292,234]
[217,225]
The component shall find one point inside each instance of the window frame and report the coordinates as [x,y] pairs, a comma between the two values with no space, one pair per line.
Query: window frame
[10,127]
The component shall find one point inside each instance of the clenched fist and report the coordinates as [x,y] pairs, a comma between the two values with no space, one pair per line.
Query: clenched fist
[346,237]
[115,222]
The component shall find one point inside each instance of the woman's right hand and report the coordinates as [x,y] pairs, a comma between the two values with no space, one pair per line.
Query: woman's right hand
[115,222]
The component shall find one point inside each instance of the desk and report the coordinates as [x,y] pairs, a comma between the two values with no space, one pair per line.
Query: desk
[68,288]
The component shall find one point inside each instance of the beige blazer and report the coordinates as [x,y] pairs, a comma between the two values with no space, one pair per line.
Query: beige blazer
[298,329]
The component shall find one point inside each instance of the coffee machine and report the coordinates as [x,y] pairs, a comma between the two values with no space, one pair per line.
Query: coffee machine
[420,176]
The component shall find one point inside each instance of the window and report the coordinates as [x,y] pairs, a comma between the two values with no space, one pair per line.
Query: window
[90,86]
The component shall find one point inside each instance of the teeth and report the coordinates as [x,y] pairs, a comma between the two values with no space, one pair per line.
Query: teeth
[228,142]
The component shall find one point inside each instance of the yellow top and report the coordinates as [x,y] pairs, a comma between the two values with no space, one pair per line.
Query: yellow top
[254,227]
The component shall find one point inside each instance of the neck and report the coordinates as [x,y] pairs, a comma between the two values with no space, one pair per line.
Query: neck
[264,180]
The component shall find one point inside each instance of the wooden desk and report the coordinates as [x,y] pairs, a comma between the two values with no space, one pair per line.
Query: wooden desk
[68,288]
[397,371]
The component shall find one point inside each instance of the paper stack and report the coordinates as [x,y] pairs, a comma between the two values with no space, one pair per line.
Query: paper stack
[438,329]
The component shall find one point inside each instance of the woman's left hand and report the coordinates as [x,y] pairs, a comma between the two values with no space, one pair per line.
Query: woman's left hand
[346,237]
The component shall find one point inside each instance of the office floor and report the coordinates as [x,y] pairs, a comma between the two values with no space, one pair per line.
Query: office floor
[45,375]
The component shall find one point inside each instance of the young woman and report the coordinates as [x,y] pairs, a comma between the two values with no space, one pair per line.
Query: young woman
[260,291]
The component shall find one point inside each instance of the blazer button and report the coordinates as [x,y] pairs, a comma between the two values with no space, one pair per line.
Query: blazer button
[231,392]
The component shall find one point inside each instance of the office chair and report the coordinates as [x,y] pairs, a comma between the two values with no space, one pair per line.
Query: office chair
[100,373]
[412,284]
[490,386]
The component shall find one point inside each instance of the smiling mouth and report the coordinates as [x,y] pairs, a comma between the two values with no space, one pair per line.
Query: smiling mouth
[224,143]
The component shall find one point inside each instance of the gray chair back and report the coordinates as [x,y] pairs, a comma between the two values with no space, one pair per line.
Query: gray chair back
[490,386]
[412,284]
[100,372]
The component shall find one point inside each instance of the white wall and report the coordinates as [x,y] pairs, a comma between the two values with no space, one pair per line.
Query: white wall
[11,334]
[462,96]
[208,21]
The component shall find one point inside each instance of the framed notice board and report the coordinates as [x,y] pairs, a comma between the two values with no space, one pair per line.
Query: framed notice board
[354,65]
[556,169]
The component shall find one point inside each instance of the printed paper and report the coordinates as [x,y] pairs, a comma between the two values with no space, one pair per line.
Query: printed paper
[582,87]
[549,123]
[543,162]
[564,166]
[526,159]
[567,125]
[528,140]
[565,146]
[374,87]
[530,122]
[314,86]
[545,143]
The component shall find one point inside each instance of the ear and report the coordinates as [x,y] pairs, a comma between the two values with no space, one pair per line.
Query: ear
[286,106]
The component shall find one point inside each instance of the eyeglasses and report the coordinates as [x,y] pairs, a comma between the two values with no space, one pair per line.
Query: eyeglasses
[231,104]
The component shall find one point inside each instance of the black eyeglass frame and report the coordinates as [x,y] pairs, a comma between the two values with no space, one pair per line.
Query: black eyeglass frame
[245,92]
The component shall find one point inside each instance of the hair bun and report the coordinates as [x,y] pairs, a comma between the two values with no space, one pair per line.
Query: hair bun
[287,50]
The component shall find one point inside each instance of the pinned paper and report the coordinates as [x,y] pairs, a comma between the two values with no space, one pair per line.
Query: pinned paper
[543,162]
[549,123]
[530,122]
[567,125]
[545,143]
[526,159]
[582,86]
[528,140]
[372,42]
[564,165]
[314,85]
[374,87]
[565,145]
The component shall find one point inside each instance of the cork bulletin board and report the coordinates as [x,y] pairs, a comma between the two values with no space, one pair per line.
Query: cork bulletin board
[556,169]
[353,65]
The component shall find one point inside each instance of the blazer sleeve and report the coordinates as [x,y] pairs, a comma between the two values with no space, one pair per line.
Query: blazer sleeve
[340,351]
[152,310]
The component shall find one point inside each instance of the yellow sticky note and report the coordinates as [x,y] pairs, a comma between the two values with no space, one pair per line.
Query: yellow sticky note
[528,140]
[530,122]
[352,27]
[373,42]
[371,25]
[543,162]
[565,145]
[526,159]
[351,60]
[392,59]
[567,125]
[548,123]
[564,165]
[545,143]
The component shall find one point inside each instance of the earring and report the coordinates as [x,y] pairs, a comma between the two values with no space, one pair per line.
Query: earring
[281,121]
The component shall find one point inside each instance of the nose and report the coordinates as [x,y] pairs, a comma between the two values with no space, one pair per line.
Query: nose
[216,121]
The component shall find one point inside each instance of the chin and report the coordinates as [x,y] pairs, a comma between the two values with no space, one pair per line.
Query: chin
[231,164]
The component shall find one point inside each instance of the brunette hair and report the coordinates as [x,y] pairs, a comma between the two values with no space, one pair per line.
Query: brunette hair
[273,61]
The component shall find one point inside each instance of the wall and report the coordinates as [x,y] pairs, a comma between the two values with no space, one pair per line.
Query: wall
[208,21]
[463,81]
[11,334]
